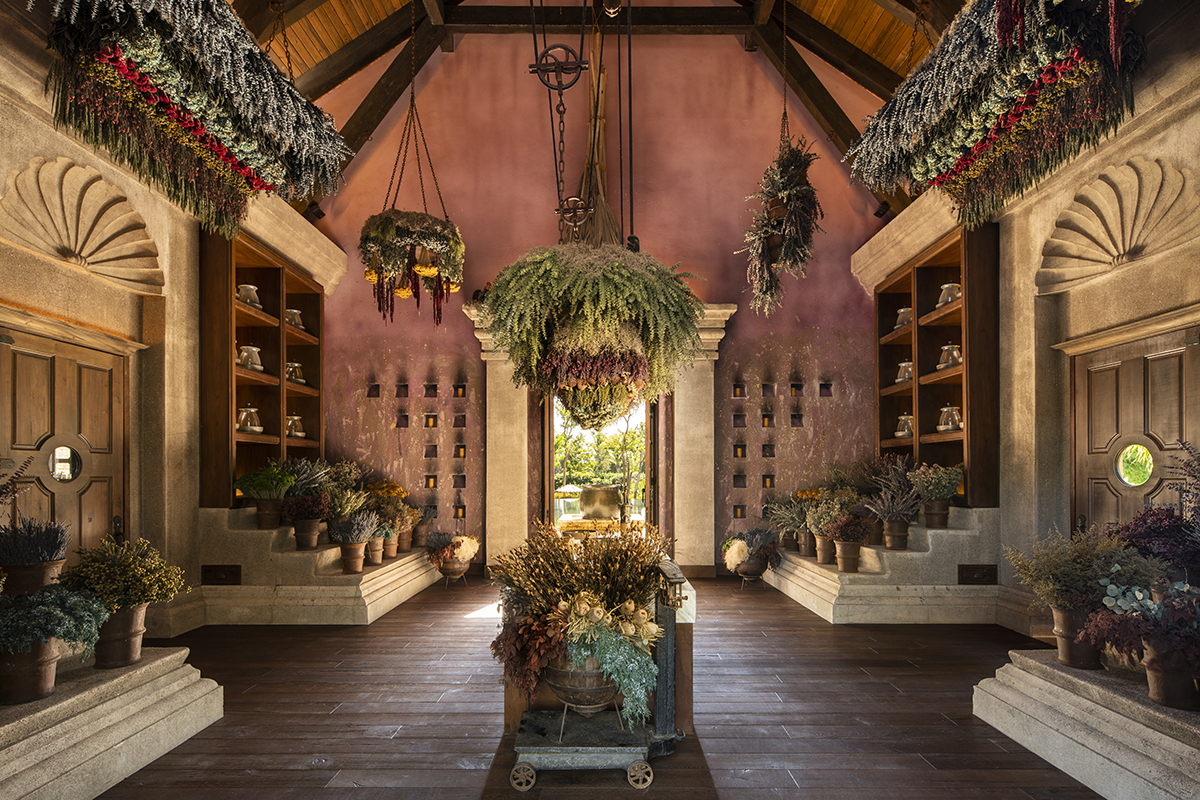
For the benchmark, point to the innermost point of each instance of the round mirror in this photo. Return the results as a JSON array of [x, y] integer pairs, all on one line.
[[65, 464], [1134, 465]]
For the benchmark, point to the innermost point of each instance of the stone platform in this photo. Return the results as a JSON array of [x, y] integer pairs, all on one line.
[[1099, 728], [101, 726]]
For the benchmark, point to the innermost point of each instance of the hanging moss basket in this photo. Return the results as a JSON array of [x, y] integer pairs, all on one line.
[[403, 249], [598, 327]]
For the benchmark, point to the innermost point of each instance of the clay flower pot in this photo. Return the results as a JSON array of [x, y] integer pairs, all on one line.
[[1169, 679], [307, 531], [825, 550], [791, 544], [390, 547], [268, 509], [404, 541], [847, 555], [352, 558], [120, 641], [1067, 624], [876, 537], [895, 534], [28, 578], [937, 513], [807, 544], [419, 534], [373, 556], [25, 677]]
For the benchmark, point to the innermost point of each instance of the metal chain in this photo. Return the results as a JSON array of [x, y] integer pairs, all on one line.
[[561, 166], [922, 10], [785, 132], [279, 28]]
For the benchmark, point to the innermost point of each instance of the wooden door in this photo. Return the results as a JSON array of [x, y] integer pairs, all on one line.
[[1143, 393], [64, 405]]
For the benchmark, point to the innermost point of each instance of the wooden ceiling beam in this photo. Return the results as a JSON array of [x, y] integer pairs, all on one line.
[[391, 86], [816, 98], [762, 10], [938, 17], [436, 11], [842, 55], [562, 20], [356, 54], [260, 19]]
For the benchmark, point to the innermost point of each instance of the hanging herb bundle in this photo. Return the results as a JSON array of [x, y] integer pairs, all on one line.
[[781, 238], [182, 95], [1011, 91], [388, 246], [599, 327]]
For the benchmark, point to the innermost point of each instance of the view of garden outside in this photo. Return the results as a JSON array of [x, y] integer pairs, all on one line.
[[1135, 465], [599, 457]]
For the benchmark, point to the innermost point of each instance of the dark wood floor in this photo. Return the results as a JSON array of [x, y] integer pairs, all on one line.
[[787, 706]]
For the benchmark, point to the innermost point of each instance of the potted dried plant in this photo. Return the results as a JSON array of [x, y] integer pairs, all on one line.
[[1161, 532], [305, 512], [936, 485], [31, 626], [32, 552], [127, 578], [751, 553], [789, 518], [848, 533], [450, 554], [1065, 572], [896, 501], [268, 486], [352, 534], [823, 511]]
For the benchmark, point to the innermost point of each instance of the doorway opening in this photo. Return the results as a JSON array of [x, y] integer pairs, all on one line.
[[612, 456]]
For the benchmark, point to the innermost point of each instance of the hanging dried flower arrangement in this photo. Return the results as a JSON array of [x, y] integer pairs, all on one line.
[[781, 238], [399, 247], [1012, 91], [182, 95]]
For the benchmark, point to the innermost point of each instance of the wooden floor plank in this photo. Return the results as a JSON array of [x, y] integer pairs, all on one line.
[[786, 706]]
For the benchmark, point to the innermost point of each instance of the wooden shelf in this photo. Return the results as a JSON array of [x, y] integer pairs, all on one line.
[[247, 316], [907, 441], [297, 336], [292, 441], [255, 438], [948, 436], [302, 389], [247, 376], [948, 315], [901, 335], [948, 375], [905, 388]]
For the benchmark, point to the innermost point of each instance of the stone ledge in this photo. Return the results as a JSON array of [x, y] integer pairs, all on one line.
[[100, 726], [1101, 730]]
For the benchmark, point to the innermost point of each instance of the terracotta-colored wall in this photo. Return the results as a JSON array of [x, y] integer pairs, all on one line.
[[706, 121]]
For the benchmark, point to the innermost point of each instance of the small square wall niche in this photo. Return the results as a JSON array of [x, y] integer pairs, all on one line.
[[739, 420], [768, 451], [797, 420], [768, 390], [739, 451], [372, 390], [459, 481], [431, 451], [402, 420], [826, 389], [739, 391], [768, 481], [768, 420], [431, 481], [431, 420], [460, 390], [460, 451], [739, 512], [797, 389], [739, 481], [460, 512], [401, 390], [460, 420], [431, 390]]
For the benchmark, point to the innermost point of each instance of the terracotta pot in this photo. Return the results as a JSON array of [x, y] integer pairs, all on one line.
[[875, 537], [453, 569], [752, 568], [307, 531], [1169, 678], [28, 578], [420, 534], [404, 541], [268, 512], [790, 544], [25, 677], [352, 558], [120, 641], [895, 534], [584, 688], [373, 555], [389, 547], [1067, 624], [847, 555], [825, 550], [937, 513], [807, 544]]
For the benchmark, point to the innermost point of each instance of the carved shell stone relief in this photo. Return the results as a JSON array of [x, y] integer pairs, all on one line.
[[1129, 212], [70, 213]]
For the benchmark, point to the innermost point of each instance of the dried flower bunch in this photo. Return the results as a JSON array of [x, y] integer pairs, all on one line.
[[849, 528], [388, 246], [26, 540], [828, 506], [1131, 616], [182, 94], [272, 481], [781, 238], [789, 516], [758, 541], [895, 497], [1065, 571], [357, 528], [306, 506], [1160, 532], [599, 327], [443, 547], [307, 476], [50, 612], [935, 482], [124, 575], [387, 500], [1011, 91]]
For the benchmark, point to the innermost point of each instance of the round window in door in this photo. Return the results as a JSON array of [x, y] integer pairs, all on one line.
[[1134, 465], [65, 464]]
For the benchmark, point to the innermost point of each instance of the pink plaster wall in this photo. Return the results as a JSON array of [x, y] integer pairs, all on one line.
[[706, 120]]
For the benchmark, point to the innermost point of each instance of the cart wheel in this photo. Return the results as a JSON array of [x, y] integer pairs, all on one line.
[[523, 777], [640, 775]]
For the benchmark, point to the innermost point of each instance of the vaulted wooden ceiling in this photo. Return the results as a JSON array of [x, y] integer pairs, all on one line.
[[873, 42]]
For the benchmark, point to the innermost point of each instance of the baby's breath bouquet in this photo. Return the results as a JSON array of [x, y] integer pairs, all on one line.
[[124, 575], [443, 547]]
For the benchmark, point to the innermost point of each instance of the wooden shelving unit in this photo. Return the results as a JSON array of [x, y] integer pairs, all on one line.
[[969, 258], [226, 323]]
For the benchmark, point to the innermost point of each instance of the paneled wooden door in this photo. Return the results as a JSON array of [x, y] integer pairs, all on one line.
[[1143, 393], [65, 405]]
